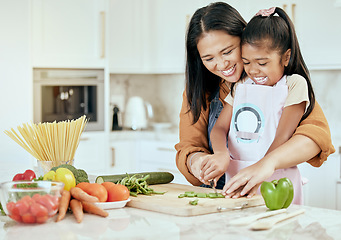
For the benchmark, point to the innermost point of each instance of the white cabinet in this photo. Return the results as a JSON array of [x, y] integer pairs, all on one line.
[[69, 33], [123, 155], [148, 36], [92, 152], [159, 156], [321, 189]]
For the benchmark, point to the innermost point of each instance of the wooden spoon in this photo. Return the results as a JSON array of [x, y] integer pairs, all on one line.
[[250, 219], [265, 224]]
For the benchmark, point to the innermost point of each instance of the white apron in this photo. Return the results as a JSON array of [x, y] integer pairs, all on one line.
[[256, 113]]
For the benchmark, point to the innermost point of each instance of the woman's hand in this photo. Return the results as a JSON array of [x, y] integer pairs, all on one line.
[[249, 179], [213, 167], [194, 163]]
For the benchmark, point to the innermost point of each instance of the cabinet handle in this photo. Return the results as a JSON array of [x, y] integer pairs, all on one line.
[[103, 34], [165, 149], [113, 157], [84, 139], [293, 8]]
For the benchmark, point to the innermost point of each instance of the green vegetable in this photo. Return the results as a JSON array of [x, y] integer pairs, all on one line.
[[201, 195], [194, 202], [2, 210], [79, 174], [278, 193], [154, 177], [137, 185]]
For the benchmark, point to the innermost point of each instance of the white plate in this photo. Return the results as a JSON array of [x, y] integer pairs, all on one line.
[[112, 205]]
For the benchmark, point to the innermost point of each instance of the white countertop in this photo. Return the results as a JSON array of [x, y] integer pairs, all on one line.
[[130, 223]]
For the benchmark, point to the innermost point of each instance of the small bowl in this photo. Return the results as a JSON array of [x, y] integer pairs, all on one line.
[[31, 202]]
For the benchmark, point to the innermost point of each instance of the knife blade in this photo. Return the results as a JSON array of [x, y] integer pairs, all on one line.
[[212, 186]]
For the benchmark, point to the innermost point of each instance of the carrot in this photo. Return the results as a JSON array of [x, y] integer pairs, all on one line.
[[77, 209], [63, 205], [81, 195], [92, 208]]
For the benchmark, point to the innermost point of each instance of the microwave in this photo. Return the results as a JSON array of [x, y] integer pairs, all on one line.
[[66, 94]]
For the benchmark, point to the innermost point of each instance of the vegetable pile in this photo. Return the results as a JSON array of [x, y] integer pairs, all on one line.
[[138, 185]]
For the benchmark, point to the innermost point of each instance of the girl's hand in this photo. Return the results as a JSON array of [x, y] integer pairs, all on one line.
[[213, 167], [249, 179]]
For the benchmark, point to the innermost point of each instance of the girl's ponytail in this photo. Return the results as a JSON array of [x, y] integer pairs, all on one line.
[[296, 63]]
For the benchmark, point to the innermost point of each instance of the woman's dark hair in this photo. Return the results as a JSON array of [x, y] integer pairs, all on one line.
[[201, 83], [278, 33]]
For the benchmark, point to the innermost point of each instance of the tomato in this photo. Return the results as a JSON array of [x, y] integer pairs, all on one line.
[[82, 185], [118, 193], [108, 185], [28, 218], [42, 219], [15, 217], [23, 206], [29, 175], [18, 177], [38, 210], [97, 190], [47, 202]]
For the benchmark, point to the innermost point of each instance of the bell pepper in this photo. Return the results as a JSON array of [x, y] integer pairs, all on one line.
[[62, 175], [278, 193], [28, 175]]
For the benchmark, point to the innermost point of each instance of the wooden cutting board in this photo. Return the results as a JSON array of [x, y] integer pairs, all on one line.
[[169, 202]]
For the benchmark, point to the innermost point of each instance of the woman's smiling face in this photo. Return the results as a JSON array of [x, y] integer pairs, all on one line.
[[221, 54]]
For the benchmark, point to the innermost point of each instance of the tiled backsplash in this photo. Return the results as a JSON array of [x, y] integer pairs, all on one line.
[[164, 92]]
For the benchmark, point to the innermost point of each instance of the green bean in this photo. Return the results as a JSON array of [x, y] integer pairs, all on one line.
[[194, 202]]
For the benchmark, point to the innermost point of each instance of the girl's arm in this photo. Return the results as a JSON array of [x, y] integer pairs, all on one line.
[[296, 150], [287, 125], [215, 166]]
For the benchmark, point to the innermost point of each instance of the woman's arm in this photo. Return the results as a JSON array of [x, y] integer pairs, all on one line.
[[193, 139]]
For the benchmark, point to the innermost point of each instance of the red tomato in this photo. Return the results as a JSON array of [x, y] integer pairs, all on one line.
[[38, 210], [83, 185], [15, 217], [29, 175], [97, 190], [18, 177], [118, 193], [10, 208], [42, 219], [23, 206], [28, 218], [47, 202]]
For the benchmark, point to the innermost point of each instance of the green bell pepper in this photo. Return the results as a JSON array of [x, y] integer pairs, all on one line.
[[278, 193]]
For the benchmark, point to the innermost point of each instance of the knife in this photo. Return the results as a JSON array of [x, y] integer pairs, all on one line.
[[212, 186]]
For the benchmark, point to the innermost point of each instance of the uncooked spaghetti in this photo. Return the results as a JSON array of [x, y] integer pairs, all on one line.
[[56, 141]]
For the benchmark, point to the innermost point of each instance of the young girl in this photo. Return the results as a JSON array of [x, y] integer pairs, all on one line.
[[264, 109]]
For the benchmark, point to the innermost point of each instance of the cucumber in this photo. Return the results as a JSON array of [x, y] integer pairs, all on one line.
[[155, 177]]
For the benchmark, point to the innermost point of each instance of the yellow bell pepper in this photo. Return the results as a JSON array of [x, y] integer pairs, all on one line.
[[62, 175]]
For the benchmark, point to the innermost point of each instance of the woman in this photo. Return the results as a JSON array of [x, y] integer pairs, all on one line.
[[213, 63]]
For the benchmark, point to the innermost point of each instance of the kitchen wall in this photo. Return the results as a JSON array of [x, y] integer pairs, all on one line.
[[327, 85], [162, 91]]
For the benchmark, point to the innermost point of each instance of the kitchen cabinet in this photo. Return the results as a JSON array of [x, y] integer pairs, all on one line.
[[315, 26], [16, 82], [69, 34], [123, 155], [92, 152], [148, 36], [321, 188], [159, 156]]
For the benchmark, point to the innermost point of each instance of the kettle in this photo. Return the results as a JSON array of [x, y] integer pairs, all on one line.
[[137, 114]]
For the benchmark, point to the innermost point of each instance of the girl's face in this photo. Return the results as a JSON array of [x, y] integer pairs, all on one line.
[[264, 66], [221, 54]]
